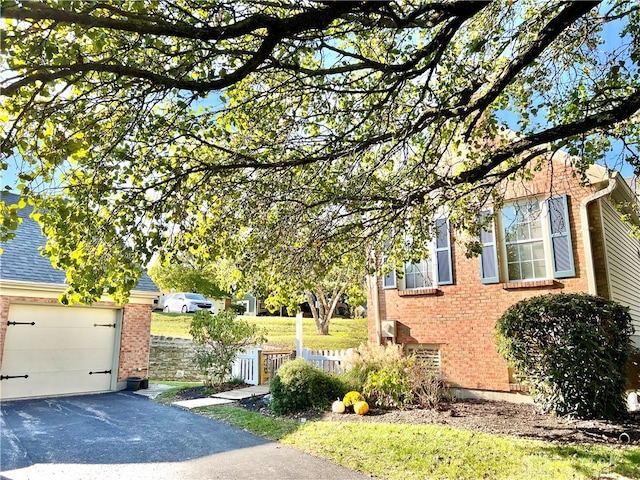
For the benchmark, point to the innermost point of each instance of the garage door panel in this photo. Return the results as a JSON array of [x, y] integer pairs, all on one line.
[[26, 337], [59, 351], [55, 360], [54, 383]]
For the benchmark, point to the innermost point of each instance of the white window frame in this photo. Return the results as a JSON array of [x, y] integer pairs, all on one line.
[[428, 263], [546, 239]]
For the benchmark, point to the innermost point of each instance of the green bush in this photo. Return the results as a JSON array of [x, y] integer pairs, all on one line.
[[572, 349], [239, 308], [219, 338], [390, 387], [299, 386]]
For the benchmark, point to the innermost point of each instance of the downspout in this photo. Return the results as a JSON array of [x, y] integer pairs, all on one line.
[[373, 284], [586, 234]]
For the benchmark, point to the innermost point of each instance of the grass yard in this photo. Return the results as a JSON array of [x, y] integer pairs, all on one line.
[[400, 451], [281, 331]]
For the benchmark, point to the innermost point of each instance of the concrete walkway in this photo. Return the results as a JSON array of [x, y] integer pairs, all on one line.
[[231, 396]]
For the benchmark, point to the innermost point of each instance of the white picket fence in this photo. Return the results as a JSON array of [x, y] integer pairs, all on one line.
[[329, 361], [247, 365]]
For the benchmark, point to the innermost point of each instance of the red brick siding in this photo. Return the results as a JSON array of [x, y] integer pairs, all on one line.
[[134, 341], [461, 317]]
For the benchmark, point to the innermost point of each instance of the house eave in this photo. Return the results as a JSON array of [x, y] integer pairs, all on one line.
[[59, 288]]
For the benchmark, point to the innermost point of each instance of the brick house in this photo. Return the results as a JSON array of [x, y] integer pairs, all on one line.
[[50, 349], [553, 235]]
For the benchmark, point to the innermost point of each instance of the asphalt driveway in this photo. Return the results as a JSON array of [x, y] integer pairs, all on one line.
[[122, 435]]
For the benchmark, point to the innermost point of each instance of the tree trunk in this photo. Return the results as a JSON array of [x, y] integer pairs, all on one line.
[[322, 315]]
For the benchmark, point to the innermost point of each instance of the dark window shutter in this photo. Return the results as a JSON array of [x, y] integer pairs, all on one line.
[[489, 257], [561, 246], [443, 252]]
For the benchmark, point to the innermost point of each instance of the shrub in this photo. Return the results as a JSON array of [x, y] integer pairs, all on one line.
[[572, 350], [219, 338], [390, 387], [299, 386], [426, 385], [366, 358], [239, 308]]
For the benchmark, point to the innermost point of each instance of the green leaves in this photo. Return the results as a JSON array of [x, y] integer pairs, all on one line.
[[573, 351], [294, 136]]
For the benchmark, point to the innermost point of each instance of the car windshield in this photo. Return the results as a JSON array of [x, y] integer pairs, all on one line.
[[194, 296]]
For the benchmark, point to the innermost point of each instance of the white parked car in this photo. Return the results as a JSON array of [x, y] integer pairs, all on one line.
[[187, 303]]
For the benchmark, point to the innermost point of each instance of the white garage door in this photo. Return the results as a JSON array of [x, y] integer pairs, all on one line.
[[54, 350]]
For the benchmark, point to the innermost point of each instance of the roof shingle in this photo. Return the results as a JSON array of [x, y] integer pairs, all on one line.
[[21, 259]]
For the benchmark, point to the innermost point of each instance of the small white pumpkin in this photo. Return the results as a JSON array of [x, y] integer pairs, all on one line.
[[338, 406]]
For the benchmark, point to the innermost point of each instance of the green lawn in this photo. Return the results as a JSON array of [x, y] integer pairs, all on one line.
[[281, 331], [400, 451]]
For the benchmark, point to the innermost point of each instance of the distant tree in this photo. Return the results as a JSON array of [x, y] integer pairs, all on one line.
[[186, 277], [325, 125]]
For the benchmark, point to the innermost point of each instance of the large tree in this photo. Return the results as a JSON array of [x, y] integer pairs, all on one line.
[[183, 125]]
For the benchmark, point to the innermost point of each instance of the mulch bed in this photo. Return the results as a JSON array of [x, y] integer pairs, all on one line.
[[500, 418]]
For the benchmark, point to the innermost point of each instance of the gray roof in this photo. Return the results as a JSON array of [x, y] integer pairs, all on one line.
[[21, 259]]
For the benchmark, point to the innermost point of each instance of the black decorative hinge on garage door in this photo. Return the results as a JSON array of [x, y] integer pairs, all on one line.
[[110, 325], [9, 377], [102, 372], [21, 323]]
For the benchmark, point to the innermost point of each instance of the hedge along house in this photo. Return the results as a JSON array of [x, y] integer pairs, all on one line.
[[552, 235], [49, 349]]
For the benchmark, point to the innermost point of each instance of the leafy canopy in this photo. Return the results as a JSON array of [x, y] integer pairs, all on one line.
[[225, 127]]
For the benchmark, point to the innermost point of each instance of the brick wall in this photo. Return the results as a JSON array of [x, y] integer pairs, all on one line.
[[171, 359], [460, 318], [135, 340]]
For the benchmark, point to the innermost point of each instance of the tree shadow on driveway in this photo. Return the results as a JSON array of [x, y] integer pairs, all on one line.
[[108, 429]]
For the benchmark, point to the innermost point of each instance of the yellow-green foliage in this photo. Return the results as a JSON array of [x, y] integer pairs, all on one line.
[[369, 358], [351, 398]]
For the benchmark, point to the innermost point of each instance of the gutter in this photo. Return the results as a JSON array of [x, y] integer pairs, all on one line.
[[586, 235], [58, 288], [373, 285]]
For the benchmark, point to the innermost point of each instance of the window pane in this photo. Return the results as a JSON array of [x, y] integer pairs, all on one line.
[[514, 271], [522, 232], [486, 236], [524, 251], [527, 270], [539, 269], [512, 253], [538, 250]]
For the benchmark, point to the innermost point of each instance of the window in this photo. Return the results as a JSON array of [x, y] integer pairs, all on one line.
[[428, 273], [524, 241], [418, 275], [437, 269], [536, 241]]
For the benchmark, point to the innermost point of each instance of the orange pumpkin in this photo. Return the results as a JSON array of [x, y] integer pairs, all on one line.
[[361, 408]]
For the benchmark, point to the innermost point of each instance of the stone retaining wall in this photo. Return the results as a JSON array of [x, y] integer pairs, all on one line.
[[170, 358]]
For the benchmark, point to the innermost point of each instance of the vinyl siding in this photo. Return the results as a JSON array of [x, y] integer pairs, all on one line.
[[623, 264]]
